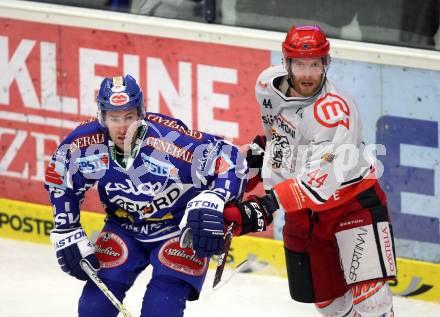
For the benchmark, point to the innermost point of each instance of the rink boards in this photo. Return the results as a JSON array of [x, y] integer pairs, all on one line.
[[33, 222]]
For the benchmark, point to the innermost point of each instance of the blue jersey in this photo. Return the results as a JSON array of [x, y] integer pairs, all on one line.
[[146, 191]]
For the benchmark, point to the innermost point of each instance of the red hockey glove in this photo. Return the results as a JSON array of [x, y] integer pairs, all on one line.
[[252, 215]]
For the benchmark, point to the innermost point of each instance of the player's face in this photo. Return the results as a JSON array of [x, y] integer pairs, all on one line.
[[118, 123], [307, 75]]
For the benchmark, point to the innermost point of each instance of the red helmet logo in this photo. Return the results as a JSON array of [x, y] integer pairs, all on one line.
[[305, 42], [119, 99]]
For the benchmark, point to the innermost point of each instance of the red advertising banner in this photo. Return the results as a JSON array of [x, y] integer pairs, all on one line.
[[49, 75]]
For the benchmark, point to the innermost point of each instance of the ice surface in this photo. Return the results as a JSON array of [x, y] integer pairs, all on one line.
[[31, 284]]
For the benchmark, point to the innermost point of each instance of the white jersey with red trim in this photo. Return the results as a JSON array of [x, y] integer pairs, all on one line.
[[317, 140]]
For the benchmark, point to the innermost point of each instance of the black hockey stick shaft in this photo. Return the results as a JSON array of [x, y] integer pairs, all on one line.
[[223, 256]]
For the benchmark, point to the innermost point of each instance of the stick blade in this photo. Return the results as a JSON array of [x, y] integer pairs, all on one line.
[[238, 269]]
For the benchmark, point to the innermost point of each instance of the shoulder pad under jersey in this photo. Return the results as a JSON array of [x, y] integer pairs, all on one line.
[[265, 80], [266, 92], [86, 133]]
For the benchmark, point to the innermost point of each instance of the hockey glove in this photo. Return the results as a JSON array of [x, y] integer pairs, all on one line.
[[203, 225], [254, 159], [71, 246], [251, 215]]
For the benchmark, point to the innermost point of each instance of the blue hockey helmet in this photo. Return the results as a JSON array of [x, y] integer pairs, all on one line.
[[119, 93]]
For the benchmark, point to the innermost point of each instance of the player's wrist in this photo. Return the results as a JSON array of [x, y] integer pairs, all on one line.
[[252, 215]]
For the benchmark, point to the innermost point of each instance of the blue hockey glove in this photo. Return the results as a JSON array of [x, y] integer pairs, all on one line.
[[71, 246], [203, 225]]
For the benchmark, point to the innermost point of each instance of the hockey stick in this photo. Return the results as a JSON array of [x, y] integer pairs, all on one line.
[[222, 257], [101, 285], [241, 267], [249, 265]]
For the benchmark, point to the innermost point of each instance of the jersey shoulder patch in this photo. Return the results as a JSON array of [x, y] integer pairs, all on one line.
[[84, 135], [160, 120], [332, 110]]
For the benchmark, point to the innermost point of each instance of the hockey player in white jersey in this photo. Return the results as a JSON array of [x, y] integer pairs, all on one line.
[[337, 235]]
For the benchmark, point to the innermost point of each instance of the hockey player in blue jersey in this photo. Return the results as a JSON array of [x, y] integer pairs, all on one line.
[[151, 172]]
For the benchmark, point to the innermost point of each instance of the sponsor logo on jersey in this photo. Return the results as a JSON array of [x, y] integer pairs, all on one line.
[[93, 163], [119, 99], [280, 122], [180, 259], [56, 170], [268, 119], [144, 188], [153, 228], [111, 250], [127, 203], [331, 111], [86, 140], [222, 164], [163, 200], [65, 217], [329, 157], [279, 148], [285, 125], [160, 168], [175, 126], [88, 121], [208, 155], [55, 173], [170, 148], [52, 176]]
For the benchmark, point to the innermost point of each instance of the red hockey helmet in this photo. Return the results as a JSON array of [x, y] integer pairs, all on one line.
[[306, 41]]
